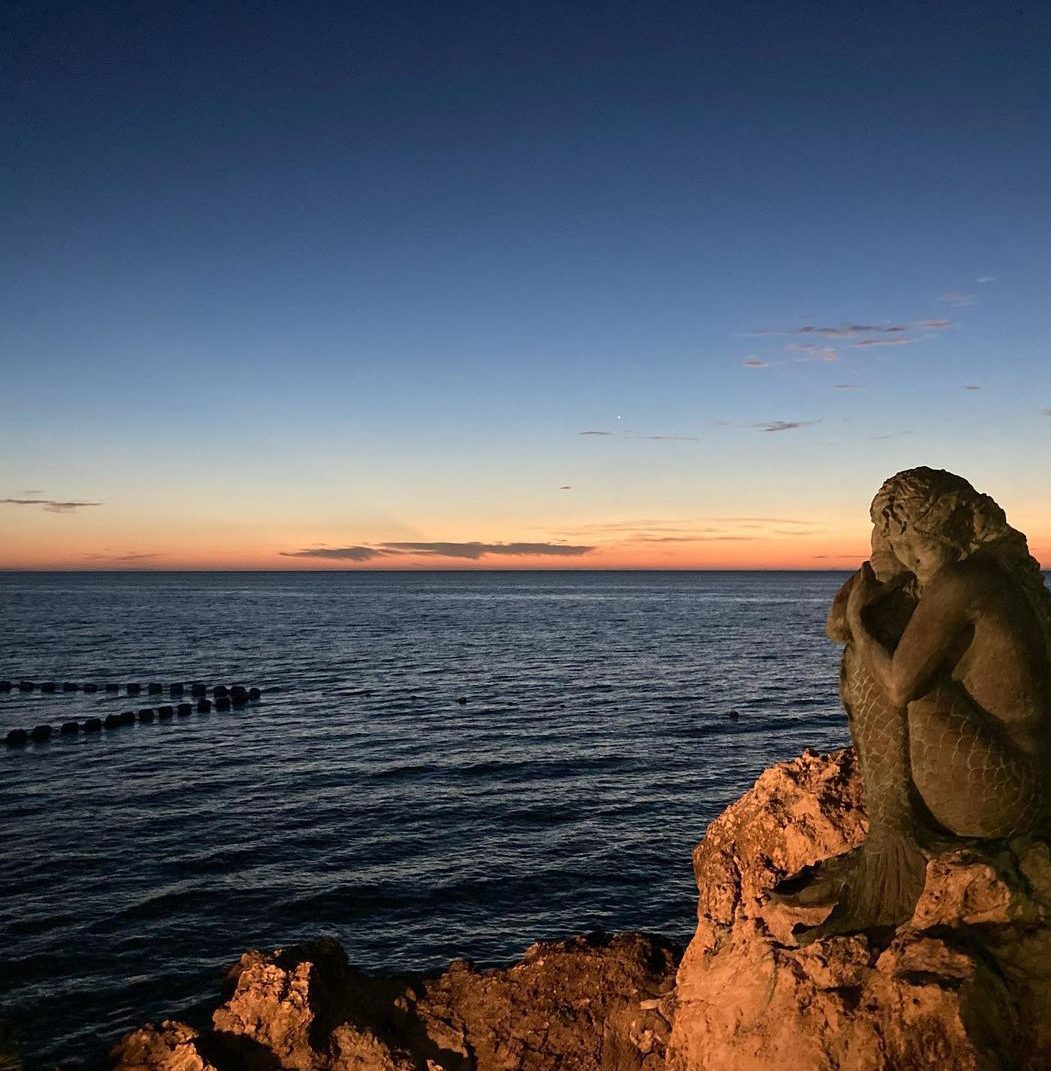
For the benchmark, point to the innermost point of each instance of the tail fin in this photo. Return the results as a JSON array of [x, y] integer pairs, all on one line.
[[879, 894]]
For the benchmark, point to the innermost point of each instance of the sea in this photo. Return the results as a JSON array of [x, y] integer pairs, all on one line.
[[442, 765]]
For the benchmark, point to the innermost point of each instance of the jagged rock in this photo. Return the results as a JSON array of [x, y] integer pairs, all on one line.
[[595, 1003], [171, 1045], [585, 1003], [964, 984]]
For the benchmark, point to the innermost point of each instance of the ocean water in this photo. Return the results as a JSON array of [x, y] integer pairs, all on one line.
[[359, 798]]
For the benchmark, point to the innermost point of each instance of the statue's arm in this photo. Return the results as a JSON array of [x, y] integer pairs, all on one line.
[[837, 626], [928, 640]]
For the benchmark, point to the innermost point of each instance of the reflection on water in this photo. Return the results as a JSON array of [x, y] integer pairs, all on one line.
[[360, 799]]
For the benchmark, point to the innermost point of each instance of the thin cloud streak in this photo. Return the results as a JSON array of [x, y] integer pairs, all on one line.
[[669, 438], [886, 342], [650, 438], [784, 425], [130, 556], [474, 551], [653, 530], [698, 539], [763, 520], [348, 554], [849, 330], [49, 504]]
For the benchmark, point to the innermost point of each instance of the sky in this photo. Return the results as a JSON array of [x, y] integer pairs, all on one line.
[[490, 286]]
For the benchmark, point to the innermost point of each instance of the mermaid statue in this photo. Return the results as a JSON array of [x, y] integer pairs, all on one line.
[[946, 680]]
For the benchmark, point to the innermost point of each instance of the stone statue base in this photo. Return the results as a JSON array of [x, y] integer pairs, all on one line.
[[965, 983]]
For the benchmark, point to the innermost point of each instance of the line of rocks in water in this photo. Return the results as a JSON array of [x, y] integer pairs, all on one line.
[[196, 688], [223, 699]]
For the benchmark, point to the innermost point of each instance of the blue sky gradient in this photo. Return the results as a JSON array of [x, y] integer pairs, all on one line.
[[361, 272]]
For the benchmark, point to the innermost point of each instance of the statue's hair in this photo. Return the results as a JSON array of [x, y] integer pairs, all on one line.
[[946, 508]]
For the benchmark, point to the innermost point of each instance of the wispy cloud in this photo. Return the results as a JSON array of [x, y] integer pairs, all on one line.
[[697, 539], [347, 554], [474, 551], [669, 438], [814, 352], [956, 298], [651, 438], [848, 386], [986, 279], [852, 330], [765, 520], [128, 556], [886, 341], [654, 528], [49, 504], [784, 425]]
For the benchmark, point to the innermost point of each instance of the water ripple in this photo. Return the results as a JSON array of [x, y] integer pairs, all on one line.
[[360, 798]]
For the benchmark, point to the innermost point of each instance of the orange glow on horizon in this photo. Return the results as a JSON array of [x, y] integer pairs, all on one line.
[[91, 542]]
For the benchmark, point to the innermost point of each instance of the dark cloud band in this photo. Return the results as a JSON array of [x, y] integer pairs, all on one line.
[[472, 551], [51, 505]]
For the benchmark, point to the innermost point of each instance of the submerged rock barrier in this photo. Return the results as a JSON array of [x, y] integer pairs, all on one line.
[[227, 697]]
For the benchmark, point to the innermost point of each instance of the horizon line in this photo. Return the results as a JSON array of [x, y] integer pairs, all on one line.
[[447, 569]]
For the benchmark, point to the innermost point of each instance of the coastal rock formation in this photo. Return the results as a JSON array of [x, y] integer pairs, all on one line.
[[594, 1003], [964, 983]]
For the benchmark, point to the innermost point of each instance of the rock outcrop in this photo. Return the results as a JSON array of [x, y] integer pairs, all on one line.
[[594, 1003], [964, 984]]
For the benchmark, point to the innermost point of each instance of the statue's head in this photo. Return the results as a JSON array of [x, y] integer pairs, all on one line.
[[925, 518], [929, 517]]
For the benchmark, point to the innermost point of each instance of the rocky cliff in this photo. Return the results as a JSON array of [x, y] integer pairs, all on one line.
[[964, 985]]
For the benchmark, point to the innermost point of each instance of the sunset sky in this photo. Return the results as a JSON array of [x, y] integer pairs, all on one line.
[[515, 286]]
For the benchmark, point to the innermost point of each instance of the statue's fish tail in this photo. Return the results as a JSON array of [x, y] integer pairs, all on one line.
[[881, 739]]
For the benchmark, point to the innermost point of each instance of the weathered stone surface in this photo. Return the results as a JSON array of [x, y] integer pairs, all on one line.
[[585, 1003], [946, 675], [171, 1045], [964, 984], [593, 1003]]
